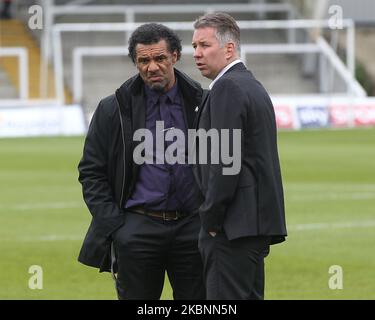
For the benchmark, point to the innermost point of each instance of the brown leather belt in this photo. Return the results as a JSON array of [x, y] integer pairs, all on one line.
[[165, 215]]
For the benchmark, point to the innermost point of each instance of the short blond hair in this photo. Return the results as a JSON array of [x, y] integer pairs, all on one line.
[[225, 25]]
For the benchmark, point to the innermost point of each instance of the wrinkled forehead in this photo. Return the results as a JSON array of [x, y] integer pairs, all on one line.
[[152, 50]]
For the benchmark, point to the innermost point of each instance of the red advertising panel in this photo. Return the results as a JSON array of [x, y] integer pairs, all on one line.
[[339, 116], [284, 117], [364, 115]]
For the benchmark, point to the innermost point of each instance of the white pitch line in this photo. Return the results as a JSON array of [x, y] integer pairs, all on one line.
[[295, 227], [330, 196], [45, 238], [356, 187], [47, 205], [338, 225]]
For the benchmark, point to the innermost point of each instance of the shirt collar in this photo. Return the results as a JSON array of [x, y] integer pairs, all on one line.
[[223, 71]]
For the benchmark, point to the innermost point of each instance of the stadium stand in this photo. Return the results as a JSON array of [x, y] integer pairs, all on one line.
[[14, 33], [101, 75], [270, 69]]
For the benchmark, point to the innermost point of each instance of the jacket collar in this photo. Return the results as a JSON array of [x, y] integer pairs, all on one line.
[[237, 67], [225, 69], [133, 91]]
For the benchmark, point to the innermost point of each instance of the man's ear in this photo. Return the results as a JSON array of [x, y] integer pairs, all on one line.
[[174, 57], [231, 50]]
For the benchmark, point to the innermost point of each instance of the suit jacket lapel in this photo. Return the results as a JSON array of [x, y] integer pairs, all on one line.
[[206, 94]]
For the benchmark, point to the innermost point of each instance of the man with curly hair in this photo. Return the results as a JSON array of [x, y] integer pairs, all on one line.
[[145, 220]]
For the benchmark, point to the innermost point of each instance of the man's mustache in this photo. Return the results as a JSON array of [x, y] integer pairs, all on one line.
[[154, 75]]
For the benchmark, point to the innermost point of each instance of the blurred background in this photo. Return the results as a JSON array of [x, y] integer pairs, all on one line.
[[58, 58]]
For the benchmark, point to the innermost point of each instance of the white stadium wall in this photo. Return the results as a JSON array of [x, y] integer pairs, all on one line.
[[19, 120]]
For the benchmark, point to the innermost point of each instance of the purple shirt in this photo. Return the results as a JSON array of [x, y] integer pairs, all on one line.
[[163, 186]]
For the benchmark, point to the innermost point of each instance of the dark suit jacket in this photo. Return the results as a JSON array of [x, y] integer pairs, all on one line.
[[250, 203]]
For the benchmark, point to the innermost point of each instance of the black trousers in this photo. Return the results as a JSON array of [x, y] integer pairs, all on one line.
[[147, 247], [233, 269]]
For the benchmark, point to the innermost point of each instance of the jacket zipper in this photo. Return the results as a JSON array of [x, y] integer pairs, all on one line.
[[123, 141]]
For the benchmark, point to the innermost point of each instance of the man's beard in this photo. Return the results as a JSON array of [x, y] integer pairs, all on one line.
[[158, 86]]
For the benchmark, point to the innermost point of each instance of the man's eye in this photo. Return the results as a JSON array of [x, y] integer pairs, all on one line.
[[160, 59], [143, 61]]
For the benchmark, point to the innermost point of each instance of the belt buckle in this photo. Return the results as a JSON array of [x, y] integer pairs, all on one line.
[[177, 217], [165, 218]]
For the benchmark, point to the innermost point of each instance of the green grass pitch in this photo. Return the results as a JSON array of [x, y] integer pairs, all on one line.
[[329, 182]]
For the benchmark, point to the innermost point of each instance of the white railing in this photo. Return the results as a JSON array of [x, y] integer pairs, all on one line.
[[23, 71], [171, 8], [354, 87], [58, 29], [51, 11], [16, 103], [130, 12], [78, 54]]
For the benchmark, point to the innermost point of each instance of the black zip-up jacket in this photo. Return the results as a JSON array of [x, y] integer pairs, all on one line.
[[107, 171]]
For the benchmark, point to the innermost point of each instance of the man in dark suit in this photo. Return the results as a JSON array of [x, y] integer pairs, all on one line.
[[145, 214], [243, 211]]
